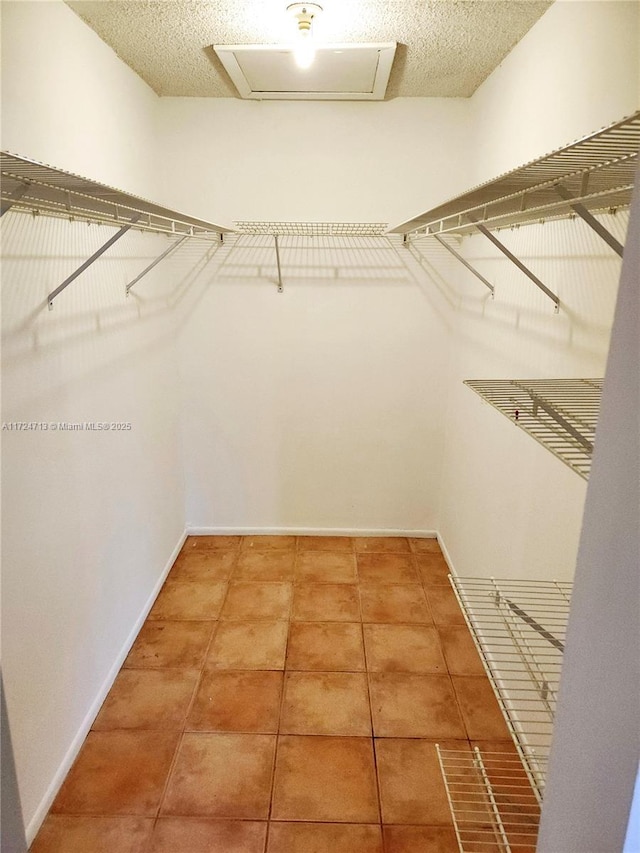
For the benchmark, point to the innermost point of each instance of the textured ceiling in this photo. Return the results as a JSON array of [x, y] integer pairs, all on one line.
[[446, 48]]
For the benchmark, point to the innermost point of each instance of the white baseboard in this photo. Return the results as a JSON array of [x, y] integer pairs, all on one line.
[[309, 531], [447, 556], [71, 754]]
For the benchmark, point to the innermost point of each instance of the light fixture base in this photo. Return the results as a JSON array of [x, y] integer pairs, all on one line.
[[304, 13]]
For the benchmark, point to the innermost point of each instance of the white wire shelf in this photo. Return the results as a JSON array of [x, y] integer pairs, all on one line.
[[519, 629], [35, 188], [561, 414], [313, 229], [493, 807], [596, 172]]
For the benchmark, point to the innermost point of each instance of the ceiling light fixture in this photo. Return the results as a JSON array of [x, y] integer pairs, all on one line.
[[304, 50]]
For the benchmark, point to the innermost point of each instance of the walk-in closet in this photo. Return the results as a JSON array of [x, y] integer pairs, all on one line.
[[320, 417]]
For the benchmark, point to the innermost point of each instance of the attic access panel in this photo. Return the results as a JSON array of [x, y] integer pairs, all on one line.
[[348, 72]]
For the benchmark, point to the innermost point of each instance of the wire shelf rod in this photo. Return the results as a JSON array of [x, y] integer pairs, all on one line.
[[518, 628], [551, 207], [312, 229], [597, 168], [492, 803], [55, 192], [560, 414]]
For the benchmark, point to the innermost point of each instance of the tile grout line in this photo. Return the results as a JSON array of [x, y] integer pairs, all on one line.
[[373, 739], [448, 672], [282, 695], [193, 698], [368, 680], [297, 551], [210, 643]]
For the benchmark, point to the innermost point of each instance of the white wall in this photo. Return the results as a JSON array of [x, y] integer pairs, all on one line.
[[594, 758], [509, 508], [90, 519], [69, 102], [320, 407], [576, 70], [228, 159]]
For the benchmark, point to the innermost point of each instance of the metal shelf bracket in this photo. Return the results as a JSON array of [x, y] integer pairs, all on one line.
[[161, 257], [591, 221], [280, 288], [463, 261], [554, 297], [91, 260]]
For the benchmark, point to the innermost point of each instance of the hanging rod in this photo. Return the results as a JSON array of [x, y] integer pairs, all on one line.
[[598, 171], [32, 187]]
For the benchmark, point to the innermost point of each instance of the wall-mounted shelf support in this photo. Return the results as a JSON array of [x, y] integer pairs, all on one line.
[[38, 189], [519, 628], [591, 221], [561, 414], [161, 257], [90, 261], [534, 278], [16, 195], [539, 403], [464, 262], [280, 288]]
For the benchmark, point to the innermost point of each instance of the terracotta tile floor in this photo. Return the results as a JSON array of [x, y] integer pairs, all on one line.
[[285, 695]]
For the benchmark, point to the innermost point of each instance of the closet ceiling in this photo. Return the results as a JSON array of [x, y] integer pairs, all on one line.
[[446, 48]]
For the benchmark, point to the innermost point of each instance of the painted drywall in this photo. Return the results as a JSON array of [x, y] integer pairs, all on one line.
[[594, 758], [576, 70], [509, 508], [320, 406], [228, 159], [90, 518], [69, 102]]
